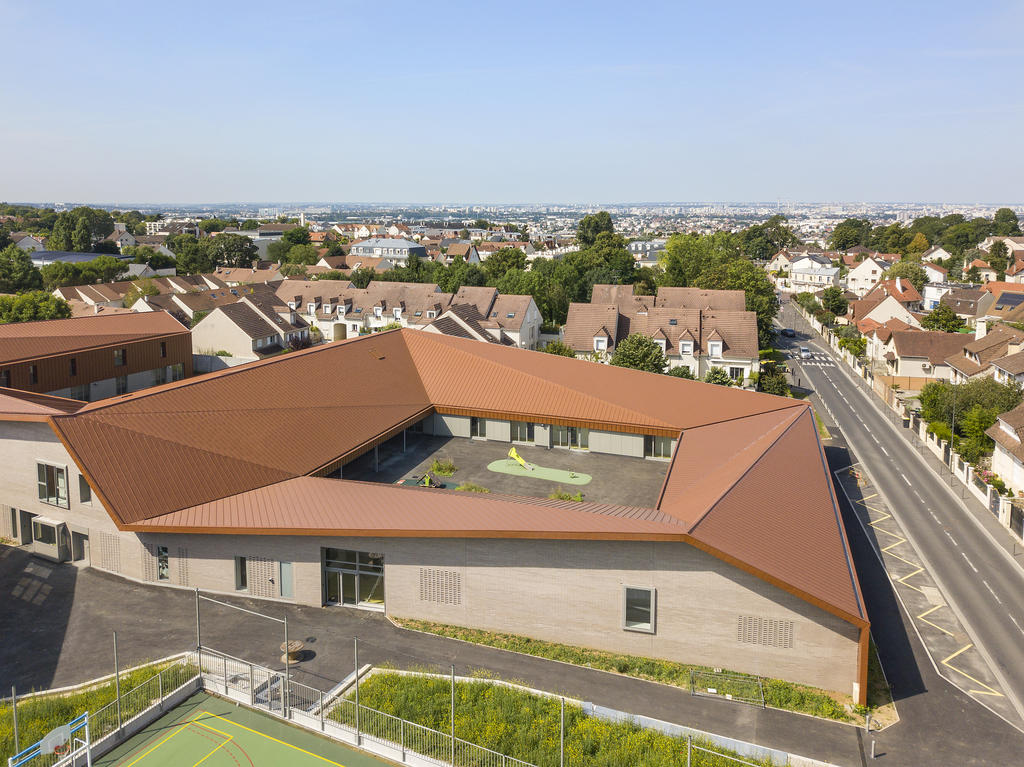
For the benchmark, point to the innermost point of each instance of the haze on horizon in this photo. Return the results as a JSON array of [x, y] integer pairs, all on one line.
[[530, 102]]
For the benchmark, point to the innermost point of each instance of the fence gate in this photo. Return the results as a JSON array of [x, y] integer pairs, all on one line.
[[1017, 519], [993, 501], [268, 690]]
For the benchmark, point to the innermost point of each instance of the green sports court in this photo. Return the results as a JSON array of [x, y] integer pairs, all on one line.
[[213, 732]]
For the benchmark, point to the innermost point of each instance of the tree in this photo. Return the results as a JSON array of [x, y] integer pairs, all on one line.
[[139, 289], [330, 274], [362, 277], [106, 246], [190, 258], [973, 425], [295, 269], [943, 318], [918, 245], [500, 261], [832, 298], [762, 241], [639, 353], [297, 236], [102, 269], [33, 305], [216, 224], [773, 382], [17, 272], [249, 225], [278, 251], [998, 255], [303, 254], [559, 348], [850, 233], [681, 371], [910, 270], [960, 237], [855, 346], [718, 376], [233, 250], [59, 274], [941, 400], [81, 239], [60, 235], [591, 226], [1005, 223]]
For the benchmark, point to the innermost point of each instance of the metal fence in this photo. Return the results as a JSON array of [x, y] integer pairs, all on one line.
[[739, 687]]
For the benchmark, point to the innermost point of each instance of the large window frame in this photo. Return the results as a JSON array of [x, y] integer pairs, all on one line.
[[657, 447], [52, 484], [633, 614], [477, 427], [359, 576], [523, 432], [163, 564], [241, 574]]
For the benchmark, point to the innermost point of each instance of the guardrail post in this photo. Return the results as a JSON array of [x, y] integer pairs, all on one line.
[[402, 727], [117, 682], [14, 708], [160, 685], [225, 659], [689, 741], [252, 688], [355, 652], [321, 710]]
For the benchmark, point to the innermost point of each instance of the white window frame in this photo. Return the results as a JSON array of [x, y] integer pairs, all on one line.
[[715, 348], [600, 344], [649, 628], [67, 489], [685, 347]]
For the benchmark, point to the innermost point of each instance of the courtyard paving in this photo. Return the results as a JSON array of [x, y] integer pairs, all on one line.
[[616, 479]]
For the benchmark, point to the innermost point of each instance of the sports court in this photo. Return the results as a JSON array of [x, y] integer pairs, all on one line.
[[210, 731]]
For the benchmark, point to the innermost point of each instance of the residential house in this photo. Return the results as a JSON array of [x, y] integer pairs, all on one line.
[[934, 272], [232, 276], [26, 241], [122, 238], [467, 251], [350, 262], [93, 357], [396, 250], [935, 253], [810, 272], [934, 292], [985, 272], [1015, 271], [250, 328], [979, 353], [900, 289], [189, 308], [964, 301], [1000, 301], [1014, 245], [863, 276], [877, 335], [1008, 454], [879, 309], [922, 353]]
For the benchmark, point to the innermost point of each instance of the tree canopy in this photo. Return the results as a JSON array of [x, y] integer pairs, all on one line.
[[17, 272], [33, 305], [910, 270], [591, 226], [718, 376], [832, 298], [640, 353], [943, 318], [559, 348]]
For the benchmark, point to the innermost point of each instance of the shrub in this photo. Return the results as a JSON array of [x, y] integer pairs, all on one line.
[[470, 487], [561, 495], [443, 466]]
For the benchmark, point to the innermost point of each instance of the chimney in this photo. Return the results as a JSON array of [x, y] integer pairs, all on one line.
[[980, 329], [899, 284], [95, 308]]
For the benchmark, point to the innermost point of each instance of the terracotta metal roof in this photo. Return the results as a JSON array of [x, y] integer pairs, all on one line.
[[18, 405], [28, 340], [748, 481]]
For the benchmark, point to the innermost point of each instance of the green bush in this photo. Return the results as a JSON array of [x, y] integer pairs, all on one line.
[[443, 466], [561, 495], [470, 487]]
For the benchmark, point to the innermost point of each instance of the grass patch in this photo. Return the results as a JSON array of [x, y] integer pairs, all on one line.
[[822, 430], [799, 393], [470, 487], [515, 723], [443, 466], [777, 693], [561, 495], [772, 354], [38, 715]]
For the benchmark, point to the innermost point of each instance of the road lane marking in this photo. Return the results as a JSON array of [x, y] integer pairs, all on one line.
[[1016, 624], [905, 479], [990, 591], [934, 517], [969, 562], [887, 453], [987, 691], [929, 611], [951, 537]]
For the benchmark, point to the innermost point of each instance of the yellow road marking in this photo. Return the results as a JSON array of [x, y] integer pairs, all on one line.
[[268, 737], [903, 580], [987, 691], [929, 611]]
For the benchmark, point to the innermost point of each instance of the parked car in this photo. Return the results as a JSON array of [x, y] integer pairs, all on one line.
[[805, 353], [789, 332]]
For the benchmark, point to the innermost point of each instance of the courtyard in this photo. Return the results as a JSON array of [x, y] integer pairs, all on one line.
[[614, 479]]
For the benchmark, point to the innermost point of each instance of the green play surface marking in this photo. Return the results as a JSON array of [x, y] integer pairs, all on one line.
[[216, 733], [508, 466]]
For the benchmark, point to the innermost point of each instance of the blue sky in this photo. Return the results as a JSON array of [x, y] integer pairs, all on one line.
[[517, 102]]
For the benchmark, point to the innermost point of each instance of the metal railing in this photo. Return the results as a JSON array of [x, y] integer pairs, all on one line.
[[739, 687]]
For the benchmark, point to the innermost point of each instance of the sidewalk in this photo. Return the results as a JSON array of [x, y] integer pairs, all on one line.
[[998, 534]]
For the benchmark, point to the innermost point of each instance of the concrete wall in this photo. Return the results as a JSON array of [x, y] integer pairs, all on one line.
[[451, 425], [617, 443], [499, 431]]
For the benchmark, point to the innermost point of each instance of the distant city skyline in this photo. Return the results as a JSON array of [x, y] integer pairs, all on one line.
[[559, 104]]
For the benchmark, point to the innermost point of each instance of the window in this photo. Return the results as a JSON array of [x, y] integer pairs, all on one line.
[[398, 313], [638, 609], [286, 581], [241, 576], [570, 436], [120, 357], [657, 447], [84, 491], [44, 533], [33, 374], [80, 392], [478, 427], [600, 344], [715, 348], [163, 348], [522, 431], [177, 371], [159, 376], [53, 484], [163, 567], [685, 347], [661, 344], [5, 378], [73, 366], [121, 383], [378, 312], [311, 308], [736, 374]]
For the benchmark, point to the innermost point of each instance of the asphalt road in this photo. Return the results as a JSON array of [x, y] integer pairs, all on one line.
[[976, 577]]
